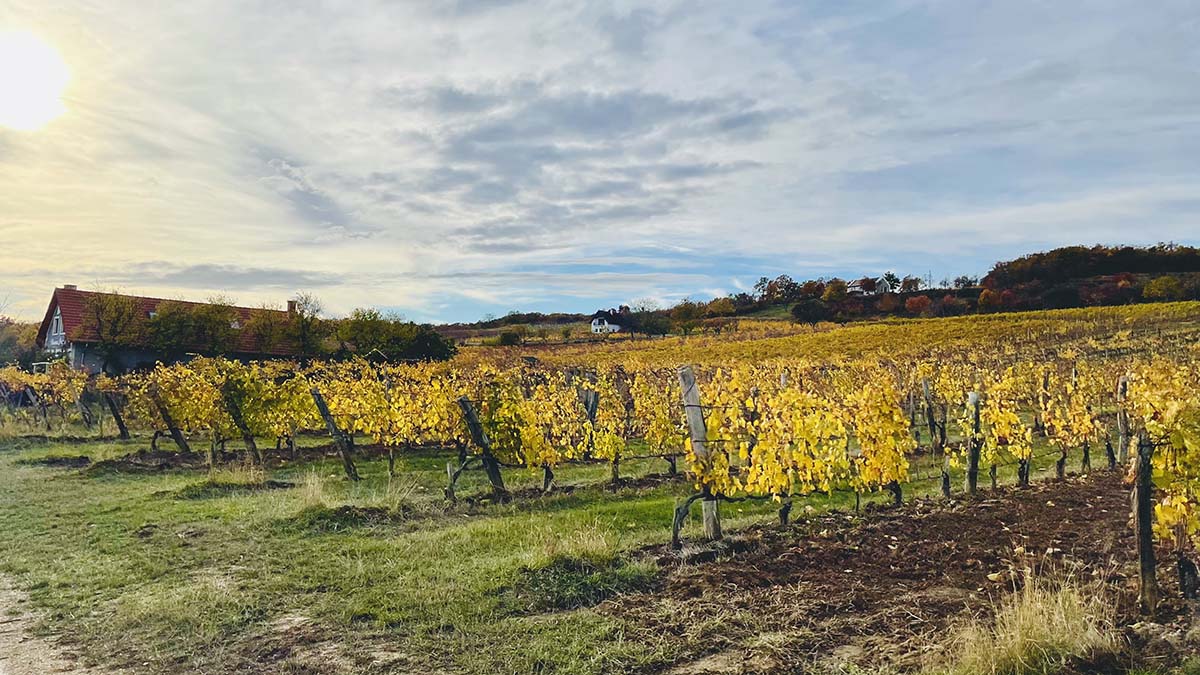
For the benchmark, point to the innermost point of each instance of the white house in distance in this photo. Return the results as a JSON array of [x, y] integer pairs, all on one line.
[[606, 321]]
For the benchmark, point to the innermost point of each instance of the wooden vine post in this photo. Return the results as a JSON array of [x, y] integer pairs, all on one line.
[[974, 446], [176, 434], [479, 436], [698, 434], [1143, 526], [590, 400], [340, 439]]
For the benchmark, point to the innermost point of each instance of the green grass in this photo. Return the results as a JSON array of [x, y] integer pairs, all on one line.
[[182, 571]]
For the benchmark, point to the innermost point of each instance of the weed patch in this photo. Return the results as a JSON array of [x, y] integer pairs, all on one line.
[[324, 519], [571, 582], [213, 488]]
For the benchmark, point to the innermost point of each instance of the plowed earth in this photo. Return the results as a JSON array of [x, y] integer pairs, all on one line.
[[886, 587]]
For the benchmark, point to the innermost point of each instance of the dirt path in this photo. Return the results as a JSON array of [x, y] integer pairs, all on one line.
[[23, 653]]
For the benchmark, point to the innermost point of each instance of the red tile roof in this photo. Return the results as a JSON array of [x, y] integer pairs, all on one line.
[[73, 305]]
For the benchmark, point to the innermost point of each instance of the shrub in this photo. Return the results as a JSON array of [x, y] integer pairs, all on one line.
[[1163, 288], [989, 300], [918, 304], [810, 310]]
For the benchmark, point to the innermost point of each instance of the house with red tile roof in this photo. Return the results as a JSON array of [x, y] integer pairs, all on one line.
[[67, 331]]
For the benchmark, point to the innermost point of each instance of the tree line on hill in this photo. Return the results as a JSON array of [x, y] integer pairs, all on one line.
[[1075, 276]]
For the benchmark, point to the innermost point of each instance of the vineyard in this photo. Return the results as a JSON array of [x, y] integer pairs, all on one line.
[[754, 427]]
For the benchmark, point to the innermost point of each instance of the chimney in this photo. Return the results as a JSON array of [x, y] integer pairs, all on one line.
[[291, 306], [70, 287]]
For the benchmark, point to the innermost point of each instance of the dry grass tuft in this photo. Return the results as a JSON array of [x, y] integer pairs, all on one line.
[[1036, 630], [312, 490], [247, 473], [597, 542]]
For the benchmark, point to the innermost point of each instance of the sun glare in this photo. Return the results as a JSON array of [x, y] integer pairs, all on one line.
[[32, 79]]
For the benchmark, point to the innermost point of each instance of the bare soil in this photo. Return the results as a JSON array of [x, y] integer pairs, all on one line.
[[885, 588], [24, 653]]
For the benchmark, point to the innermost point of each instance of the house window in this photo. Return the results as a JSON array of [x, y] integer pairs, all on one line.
[[235, 324], [56, 325], [152, 314]]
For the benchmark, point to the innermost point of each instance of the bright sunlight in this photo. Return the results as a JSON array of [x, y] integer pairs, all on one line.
[[32, 79]]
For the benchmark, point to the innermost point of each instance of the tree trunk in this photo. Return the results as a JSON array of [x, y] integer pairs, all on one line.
[[1023, 472], [1060, 467], [1086, 465]]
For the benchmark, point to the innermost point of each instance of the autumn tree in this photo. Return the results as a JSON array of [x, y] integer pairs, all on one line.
[[215, 326], [810, 310], [989, 300], [169, 329], [888, 303], [835, 291], [918, 305], [115, 322], [18, 342], [1163, 288], [267, 328], [305, 327], [685, 316], [368, 333], [720, 307]]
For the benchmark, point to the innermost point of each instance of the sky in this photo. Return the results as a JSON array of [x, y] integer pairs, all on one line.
[[450, 159]]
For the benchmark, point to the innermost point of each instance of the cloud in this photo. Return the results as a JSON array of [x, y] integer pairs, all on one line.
[[572, 155]]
